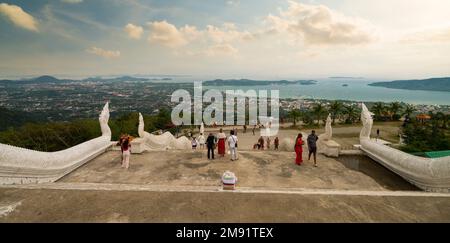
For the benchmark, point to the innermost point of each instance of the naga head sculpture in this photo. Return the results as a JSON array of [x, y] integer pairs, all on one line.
[[141, 130], [103, 119], [328, 128], [367, 121]]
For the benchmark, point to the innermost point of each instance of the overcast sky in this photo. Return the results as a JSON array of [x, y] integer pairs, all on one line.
[[383, 39]]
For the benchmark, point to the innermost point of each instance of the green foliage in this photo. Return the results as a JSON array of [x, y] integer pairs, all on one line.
[[425, 137], [351, 114], [308, 118], [14, 119], [51, 136], [56, 136], [319, 112], [295, 115], [395, 108], [336, 108]]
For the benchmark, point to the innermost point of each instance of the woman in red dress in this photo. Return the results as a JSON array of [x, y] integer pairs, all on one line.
[[221, 144], [299, 149]]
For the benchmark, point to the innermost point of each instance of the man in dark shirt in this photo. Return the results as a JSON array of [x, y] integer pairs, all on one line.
[[210, 142], [312, 146]]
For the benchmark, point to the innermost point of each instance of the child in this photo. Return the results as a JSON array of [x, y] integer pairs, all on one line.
[[194, 144]]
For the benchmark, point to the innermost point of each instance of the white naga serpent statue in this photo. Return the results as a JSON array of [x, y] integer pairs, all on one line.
[[24, 166], [427, 174], [165, 141]]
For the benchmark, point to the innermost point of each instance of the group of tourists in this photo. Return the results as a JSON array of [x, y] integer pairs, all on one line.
[[263, 144], [218, 141], [312, 147]]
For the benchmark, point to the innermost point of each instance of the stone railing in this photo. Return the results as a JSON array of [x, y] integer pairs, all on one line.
[[427, 174], [24, 166]]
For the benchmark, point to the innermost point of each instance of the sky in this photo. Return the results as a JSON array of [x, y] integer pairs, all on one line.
[[298, 39]]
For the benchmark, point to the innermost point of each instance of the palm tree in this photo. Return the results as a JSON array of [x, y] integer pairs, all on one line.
[[378, 109], [295, 115], [409, 110], [395, 108], [351, 113], [318, 111], [335, 108], [441, 119]]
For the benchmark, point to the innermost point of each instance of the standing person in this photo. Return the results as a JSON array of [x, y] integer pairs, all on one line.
[[233, 144], [378, 134], [277, 143], [261, 143], [210, 143], [245, 128], [253, 130], [126, 147], [299, 149], [202, 141], [121, 139], [221, 144], [268, 143], [312, 146], [194, 143]]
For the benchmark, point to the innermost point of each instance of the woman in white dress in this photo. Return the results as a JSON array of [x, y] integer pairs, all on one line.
[[202, 141]]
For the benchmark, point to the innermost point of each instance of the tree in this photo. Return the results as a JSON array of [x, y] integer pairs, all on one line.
[[378, 110], [307, 117], [409, 110], [335, 108], [441, 119], [425, 137], [319, 111], [351, 114], [395, 108], [295, 115]]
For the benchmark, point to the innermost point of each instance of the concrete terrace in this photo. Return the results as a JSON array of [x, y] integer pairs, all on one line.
[[183, 186]]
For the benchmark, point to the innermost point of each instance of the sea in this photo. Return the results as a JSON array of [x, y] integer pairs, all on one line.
[[338, 89], [348, 89]]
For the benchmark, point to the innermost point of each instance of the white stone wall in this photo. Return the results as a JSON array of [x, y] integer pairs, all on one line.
[[427, 174], [24, 166]]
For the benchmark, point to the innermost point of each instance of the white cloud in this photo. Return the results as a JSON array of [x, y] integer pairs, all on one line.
[[233, 2], [221, 50], [166, 34], [428, 36], [103, 53], [134, 31], [72, 1], [228, 33], [319, 25], [19, 17]]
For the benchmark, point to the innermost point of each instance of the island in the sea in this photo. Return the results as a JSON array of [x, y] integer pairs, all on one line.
[[432, 84], [249, 82], [339, 77]]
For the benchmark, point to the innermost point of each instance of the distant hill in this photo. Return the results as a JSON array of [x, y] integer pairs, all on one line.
[[45, 79], [432, 84], [118, 79], [51, 79], [249, 82]]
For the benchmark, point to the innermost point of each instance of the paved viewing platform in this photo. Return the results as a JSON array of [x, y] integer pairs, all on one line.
[[177, 186], [184, 186], [268, 169]]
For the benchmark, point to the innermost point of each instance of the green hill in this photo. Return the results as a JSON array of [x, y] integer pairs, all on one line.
[[432, 84]]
